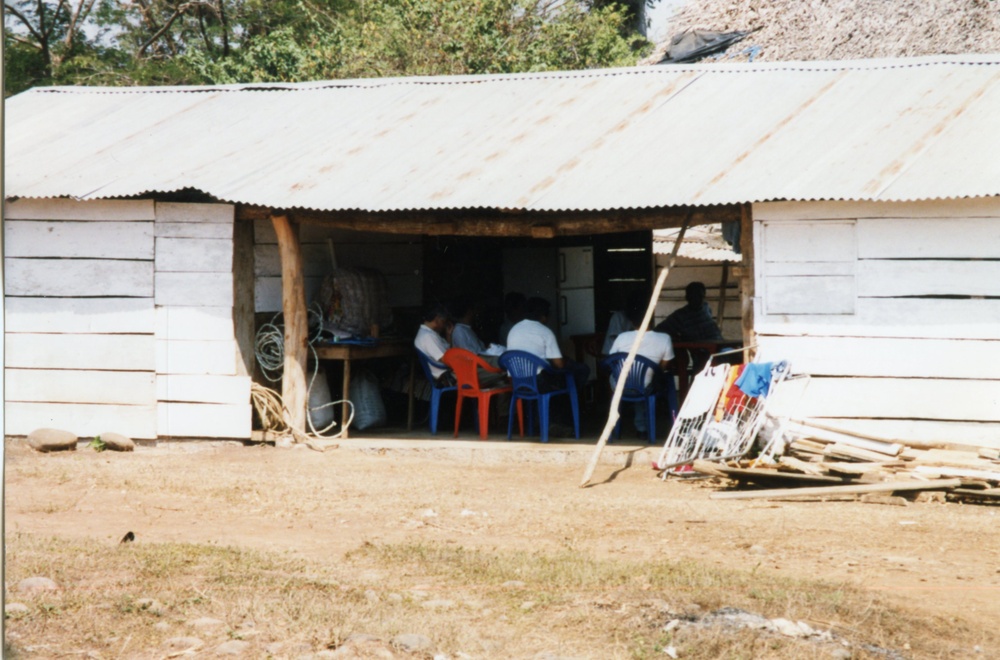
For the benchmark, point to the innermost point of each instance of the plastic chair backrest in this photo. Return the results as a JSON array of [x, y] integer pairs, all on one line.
[[465, 364], [636, 382], [426, 363], [522, 367]]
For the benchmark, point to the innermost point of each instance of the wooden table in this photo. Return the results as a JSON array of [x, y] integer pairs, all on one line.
[[682, 359], [383, 349]]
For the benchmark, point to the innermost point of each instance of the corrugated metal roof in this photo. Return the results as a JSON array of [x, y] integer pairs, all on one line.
[[702, 242], [645, 137]]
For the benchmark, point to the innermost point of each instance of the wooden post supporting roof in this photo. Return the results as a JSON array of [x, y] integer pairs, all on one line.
[[747, 278], [294, 390]]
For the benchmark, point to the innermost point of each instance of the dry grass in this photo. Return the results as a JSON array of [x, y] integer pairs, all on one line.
[[305, 549], [466, 600]]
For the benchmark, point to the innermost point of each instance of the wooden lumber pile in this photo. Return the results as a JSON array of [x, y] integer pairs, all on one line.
[[823, 462]]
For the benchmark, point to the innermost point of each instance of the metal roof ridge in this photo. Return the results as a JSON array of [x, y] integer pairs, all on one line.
[[657, 69]]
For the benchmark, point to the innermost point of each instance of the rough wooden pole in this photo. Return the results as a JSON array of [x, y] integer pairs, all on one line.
[[294, 390], [627, 365], [747, 281], [722, 293]]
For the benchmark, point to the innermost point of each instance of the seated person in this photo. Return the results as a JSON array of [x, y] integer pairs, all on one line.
[[432, 341], [654, 346], [463, 336], [533, 336], [620, 322], [694, 321], [513, 309]]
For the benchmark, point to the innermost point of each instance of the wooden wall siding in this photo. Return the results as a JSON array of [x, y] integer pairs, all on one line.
[[85, 420], [688, 270], [199, 388], [917, 356], [73, 351], [398, 256], [75, 278], [79, 317], [95, 240]]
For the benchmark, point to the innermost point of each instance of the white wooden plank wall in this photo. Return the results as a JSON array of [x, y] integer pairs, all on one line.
[[197, 389], [79, 317], [398, 257], [709, 273], [919, 356]]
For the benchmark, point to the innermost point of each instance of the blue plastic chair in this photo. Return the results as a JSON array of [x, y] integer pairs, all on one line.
[[436, 390], [637, 390], [523, 369]]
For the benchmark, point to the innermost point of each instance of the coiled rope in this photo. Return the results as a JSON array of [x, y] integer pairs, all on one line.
[[269, 349]]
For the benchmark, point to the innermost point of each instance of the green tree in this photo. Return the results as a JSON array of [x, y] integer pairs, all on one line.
[[149, 42]]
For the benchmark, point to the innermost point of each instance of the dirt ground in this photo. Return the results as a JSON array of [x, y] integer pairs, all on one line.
[[935, 559]]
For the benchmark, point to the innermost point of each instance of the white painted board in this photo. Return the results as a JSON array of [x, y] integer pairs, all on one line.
[[70, 386], [831, 294], [194, 289], [920, 431], [80, 315], [929, 238], [896, 317], [194, 255], [892, 398], [193, 420], [193, 230], [833, 240], [95, 240], [203, 389], [980, 207], [197, 323], [68, 209], [196, 357], [184, 212], [885, 357], [895, 278], [78, 277], [109, 352], [85, 420]]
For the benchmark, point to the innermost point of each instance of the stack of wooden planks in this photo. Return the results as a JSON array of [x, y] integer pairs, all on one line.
[[819, 461]]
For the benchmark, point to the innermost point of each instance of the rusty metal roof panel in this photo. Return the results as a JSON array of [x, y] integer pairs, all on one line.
[[892, 130]]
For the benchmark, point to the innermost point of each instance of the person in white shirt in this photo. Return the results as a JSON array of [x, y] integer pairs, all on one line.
[[654, 346], [431, 339], [533, 336]]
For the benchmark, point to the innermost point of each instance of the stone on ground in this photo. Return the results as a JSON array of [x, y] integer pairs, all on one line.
[[232, 647], [14, 610], [182, 643], [117, 442], [36, 584], [46, 440], [412, 643]]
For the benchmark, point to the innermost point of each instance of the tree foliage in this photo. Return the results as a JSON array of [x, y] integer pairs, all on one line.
[[144, 42]]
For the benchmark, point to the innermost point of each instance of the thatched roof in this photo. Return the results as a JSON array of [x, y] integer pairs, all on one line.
[[844, 29]]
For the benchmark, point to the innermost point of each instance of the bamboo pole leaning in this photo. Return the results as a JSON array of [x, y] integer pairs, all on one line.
[[616, 399]]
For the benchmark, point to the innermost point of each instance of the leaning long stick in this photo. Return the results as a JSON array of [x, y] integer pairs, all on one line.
[[640, 331]]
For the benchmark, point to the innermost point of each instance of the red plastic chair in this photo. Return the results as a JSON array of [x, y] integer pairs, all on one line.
[[466, 364]]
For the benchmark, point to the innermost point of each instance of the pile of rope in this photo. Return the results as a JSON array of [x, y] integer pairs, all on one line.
[[269, 350]]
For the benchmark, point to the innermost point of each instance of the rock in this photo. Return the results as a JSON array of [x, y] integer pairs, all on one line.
[[161, 625], [412, 643], [362, 647], [513, 584], [673, 623], [150, 605], [15, 610], [841, 654], [204, 622], [36, 584], [371, 596], [428, 513], [46, 440], [758, 550], [394, 598], [183, 644], [117, 441], [672, 652], [527, 605], [792, 628], [232, 647], [438, 604]]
